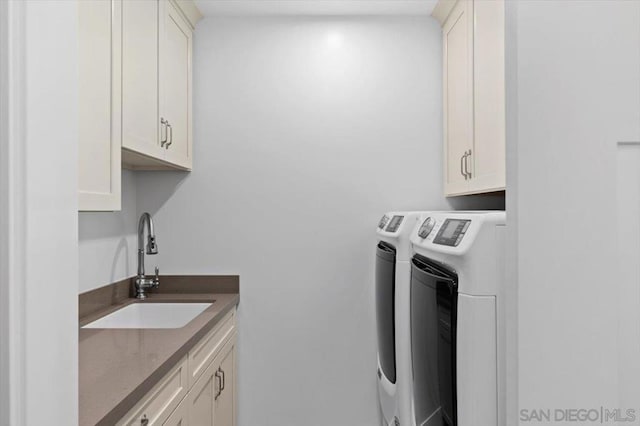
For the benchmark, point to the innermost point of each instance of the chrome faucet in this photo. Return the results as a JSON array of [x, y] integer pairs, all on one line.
[[143, 282]]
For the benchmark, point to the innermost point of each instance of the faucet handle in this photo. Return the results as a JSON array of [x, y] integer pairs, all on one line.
[[156, 279]]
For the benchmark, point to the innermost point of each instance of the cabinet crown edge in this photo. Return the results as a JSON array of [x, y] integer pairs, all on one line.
[[442, 10], [189, 10]]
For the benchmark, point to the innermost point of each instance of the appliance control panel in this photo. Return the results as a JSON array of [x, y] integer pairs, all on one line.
[[383, 222], [394, 223], [451, 232], [426, 227]]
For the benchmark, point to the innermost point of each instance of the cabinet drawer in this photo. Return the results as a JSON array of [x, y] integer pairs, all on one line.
[[158, 404], [204, 352], [180, 417]]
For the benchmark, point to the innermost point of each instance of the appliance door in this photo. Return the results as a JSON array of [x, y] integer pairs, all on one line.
[[434, 300], [385, 308]]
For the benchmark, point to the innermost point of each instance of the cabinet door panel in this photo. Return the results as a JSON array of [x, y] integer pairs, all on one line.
[[489, 97], [165, 397], [175, 88], [99, 104], [225, 404], [180, 417], [140, 121], [458, 94], [201, 402], [208, 348]]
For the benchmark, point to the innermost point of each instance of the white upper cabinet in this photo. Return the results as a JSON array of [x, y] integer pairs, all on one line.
[[140, 96], [99, 132], [473, 95], [175, 86], [134, 92], [157, 49], [458, 95], [489, 162]]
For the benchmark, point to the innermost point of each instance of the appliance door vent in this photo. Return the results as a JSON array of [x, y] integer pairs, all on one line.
[[385, 308], [434, 301]]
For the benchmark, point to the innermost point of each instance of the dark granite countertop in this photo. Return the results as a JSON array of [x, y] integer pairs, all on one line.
[[117, 367]]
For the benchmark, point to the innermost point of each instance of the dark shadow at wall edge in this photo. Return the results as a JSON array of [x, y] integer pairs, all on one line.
[[155, 195], [98, 225], [489, 201]]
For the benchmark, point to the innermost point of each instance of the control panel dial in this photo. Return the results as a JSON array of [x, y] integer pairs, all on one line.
[[426, 228], [383, 221]]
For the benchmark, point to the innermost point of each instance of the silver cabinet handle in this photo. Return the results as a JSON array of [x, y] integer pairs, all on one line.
[[463, 167], [223, 381], [467, 165], [163, 124], [170, 135], [219, 381], [144, 421]]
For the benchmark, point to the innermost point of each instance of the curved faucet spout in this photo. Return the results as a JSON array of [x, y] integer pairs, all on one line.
[[152, 247]]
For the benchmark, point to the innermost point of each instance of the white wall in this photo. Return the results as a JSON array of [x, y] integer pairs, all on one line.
[[39, 204], [51, 319], [306, 131], [577, 95], [108, 241]]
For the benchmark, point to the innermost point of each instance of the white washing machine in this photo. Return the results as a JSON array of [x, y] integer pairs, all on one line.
[[392, 279], [457, 319]]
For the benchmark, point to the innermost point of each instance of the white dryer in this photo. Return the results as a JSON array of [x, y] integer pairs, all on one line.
[[457, 319], [392, 279]]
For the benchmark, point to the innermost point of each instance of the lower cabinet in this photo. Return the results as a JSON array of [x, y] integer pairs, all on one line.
[[201, 399], [209, 399], [224, 411], [180, 417], [157, 405]]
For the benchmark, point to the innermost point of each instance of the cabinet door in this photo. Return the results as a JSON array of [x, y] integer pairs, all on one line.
[[180, 417], [457, 39], [175, 87], [205, 351], [100, 32], [201, 397], [225, 410], [488, 169], [140, 120], [156, 407]]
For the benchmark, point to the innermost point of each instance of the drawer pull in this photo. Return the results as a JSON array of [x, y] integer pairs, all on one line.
[[223, 382], [144, 421]]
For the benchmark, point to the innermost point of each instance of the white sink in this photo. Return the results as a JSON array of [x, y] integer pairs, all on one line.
[[151, 315]]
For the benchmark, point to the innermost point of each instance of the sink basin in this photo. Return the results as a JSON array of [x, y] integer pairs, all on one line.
[[151, 315]]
